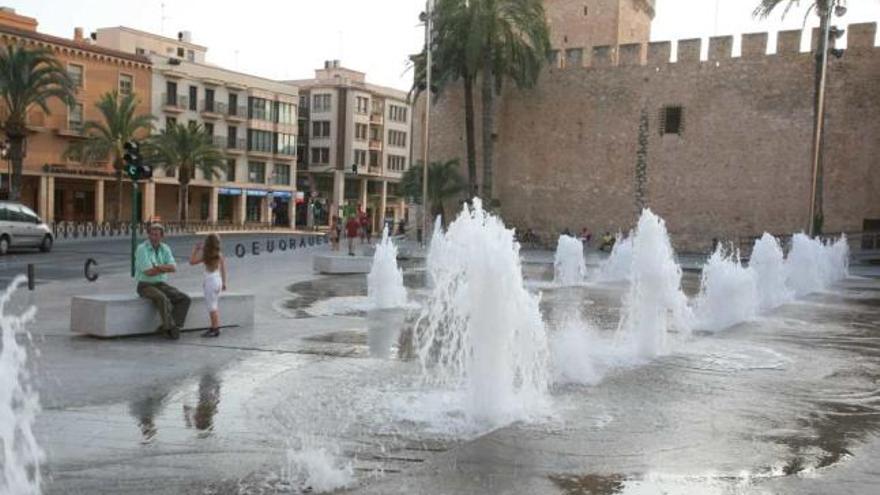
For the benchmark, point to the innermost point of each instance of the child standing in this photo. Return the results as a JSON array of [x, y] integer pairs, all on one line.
[[215, 278]]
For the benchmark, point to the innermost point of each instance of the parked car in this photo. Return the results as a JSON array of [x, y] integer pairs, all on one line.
[[21, 227]]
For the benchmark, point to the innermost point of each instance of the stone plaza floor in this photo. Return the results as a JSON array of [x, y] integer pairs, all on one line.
[[785, 404]]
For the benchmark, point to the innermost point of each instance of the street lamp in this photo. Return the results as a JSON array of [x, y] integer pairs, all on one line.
[[429, 6], [819, 124]]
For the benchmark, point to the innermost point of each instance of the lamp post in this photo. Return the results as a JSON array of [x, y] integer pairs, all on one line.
[[819, 123], [426, 143]]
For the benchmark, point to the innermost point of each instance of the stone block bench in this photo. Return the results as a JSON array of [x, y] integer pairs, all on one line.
[[116, 315], [342, 264]]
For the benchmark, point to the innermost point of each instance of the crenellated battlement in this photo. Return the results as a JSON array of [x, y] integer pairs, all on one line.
[[859, 37]]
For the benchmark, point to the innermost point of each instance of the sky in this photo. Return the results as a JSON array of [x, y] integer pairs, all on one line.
[[289, 39]]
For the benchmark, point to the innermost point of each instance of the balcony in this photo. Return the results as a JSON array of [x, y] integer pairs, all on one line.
[[73, 129], [175, 103], [236, 113], [375, 144], [212, 109], [376, 119], [234, 145]]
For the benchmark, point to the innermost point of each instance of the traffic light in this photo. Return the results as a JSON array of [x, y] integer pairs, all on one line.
[[135, 167]]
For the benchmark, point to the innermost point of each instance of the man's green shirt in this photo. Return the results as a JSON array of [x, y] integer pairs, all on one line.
[[147, 257]]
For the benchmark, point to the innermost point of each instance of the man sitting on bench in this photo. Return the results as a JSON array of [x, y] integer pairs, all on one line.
[[153, 263]]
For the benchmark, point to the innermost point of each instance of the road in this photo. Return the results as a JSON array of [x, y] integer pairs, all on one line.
[[67, 260]]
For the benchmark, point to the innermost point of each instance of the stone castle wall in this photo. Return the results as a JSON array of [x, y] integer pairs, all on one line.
[[568, 152]]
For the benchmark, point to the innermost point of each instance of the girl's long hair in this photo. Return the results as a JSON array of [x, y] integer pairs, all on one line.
[[211, 253]]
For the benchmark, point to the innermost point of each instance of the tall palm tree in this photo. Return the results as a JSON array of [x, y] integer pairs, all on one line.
[[450, 64], [822, 9], [515, 42], [495, 39], [105, 140], [28, 77], [444, 182], [184, 149]]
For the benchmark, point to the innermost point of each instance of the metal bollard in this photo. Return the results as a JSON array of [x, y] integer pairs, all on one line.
[[30, 276]]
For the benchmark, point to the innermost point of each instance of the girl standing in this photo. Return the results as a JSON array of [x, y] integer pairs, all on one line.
[[215, 278]]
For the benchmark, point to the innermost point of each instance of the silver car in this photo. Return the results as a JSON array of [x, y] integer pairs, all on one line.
[[21, 227]]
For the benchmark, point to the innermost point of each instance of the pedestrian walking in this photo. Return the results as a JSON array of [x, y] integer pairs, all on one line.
[[214, 281], [352, 228]]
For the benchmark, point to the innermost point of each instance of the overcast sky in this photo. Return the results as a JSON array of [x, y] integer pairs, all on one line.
[[288, 39]]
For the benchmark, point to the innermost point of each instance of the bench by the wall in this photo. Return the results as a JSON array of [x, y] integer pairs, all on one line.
[[127, 314]]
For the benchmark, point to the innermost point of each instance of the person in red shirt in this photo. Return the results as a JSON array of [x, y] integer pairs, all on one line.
[[352, 228]]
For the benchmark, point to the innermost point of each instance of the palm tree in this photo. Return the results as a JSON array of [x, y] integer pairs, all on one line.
[[183, 149], [105, 140], [515, 42], [497, 39], [451, 21], [444, 182], [823, 9], [28, 77]]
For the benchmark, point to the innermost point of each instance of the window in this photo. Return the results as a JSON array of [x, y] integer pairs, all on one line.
[[397, 113], [397, 138], [553, 58], [76, 74], [671, 120], [586, 10], [320, 155], [282, 175], [362, 104], [232, 137], [140, 51], [180, 52], [257, 172], [360, 132], [209, 128], [126, 84], [171, 93], [360, 158], [233, 104], [259, 109], [374, 158], [374, 133], [321, 129], [193, 97], [230, 170], [209, 100], [378, 107], [321, 103], [285, 144], [286, 113], [170, 122], [75, 117], [259, 141], [191, 55], [396, 163]]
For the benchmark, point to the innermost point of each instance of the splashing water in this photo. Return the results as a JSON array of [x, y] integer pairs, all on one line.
[[618, 266], [481, 329], [728, 292], [385, 280], [569, 266], [813, 266], [654, 305], [571, 346], [768, 265], [316, 469], [19, 405]]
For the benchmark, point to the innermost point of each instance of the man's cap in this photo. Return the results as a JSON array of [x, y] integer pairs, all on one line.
[[157, 225]]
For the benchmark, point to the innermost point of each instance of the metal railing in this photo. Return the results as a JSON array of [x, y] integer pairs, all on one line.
[[212, 106], [68, 231], [175, 101], [237, 111], [235, 144]]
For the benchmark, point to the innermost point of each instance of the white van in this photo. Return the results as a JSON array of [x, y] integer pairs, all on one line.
[[21, 227]]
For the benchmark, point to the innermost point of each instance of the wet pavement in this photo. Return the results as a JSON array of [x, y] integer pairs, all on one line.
[[789, 403]]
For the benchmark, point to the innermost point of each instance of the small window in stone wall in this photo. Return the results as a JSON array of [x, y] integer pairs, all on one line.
[[671, 120], [553, 58], [574, 57]]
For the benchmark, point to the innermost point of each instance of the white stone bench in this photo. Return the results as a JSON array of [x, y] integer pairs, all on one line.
[[127, 314], [342, 264]]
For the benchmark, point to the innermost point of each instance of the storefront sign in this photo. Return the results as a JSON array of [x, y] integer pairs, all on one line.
[[282, 194], [300, 197], [229, 191], [256, 192]]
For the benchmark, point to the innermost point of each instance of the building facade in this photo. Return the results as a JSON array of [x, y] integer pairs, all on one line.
[[58, 188], [720, 147], [254, 120], [354, 144]]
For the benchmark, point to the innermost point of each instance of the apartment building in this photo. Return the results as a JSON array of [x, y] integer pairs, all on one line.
[[252, 118], [354, 142], [58, 188]]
